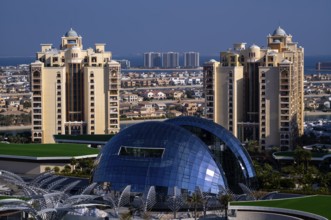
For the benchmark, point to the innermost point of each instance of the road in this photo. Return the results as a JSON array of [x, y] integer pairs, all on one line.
[[317, 113], [162, 70], [15, 94], [317, 95], [162, 87], [319, 82], [15, 128]]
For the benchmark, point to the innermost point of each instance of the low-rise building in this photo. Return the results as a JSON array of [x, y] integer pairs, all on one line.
[[191, 108], [129, 97]]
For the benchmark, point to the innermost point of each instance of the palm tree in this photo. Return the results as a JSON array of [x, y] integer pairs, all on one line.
[[73, 163], [195, 200], [224, 199], [302, 156]]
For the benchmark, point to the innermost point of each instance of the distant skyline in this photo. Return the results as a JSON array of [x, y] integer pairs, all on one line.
[[131, 27]]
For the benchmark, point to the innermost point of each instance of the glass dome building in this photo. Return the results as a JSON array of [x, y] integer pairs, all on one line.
[[184, 152]]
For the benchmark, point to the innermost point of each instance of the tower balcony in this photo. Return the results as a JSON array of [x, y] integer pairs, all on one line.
[[284, 88], [36, 88], [113, 115], [113, 92], [113, 110]]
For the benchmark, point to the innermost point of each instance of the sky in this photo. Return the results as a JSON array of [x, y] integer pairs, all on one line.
[[131, 27]]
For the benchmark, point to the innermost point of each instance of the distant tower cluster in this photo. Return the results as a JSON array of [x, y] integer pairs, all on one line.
[[170, 60], [257, 93], [75, 91], [152, 60], [191, 59], [125, 64]]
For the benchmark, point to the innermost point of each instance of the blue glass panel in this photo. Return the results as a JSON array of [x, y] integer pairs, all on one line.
[[184, 162], [224, 135]]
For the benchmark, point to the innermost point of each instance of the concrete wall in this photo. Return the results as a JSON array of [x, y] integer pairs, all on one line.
[[28, 167], [246, 215]]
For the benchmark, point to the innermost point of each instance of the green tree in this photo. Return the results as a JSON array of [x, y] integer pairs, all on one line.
[[27, 104], [189, 94], [195, 200], [253, 147], [267, 177], [126, 216], [224, 200], [73, 163], [302, 156], [67, 169], [56, 169]]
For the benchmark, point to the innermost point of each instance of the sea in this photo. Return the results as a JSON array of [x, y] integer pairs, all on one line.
[[137, 61]]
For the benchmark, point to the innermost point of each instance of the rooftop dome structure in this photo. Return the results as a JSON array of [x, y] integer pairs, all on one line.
[[71, 33], [185, 152], [254, 47], [279, 32], [158, 154], [225, 137]]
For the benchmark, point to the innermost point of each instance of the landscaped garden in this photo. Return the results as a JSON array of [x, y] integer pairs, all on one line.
[[46, 150], [319, 205]]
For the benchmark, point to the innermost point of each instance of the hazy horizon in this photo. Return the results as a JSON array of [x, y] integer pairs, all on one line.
[[131, 27]]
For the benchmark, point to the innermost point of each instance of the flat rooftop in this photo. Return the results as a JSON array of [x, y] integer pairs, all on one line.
[[289, 155], [100, 139]]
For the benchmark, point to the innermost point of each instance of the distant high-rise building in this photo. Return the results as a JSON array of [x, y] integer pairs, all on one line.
[[152, 60], [323, 66], [257, 93], [170, 60], [75, 91], [125, 64], [191, 59]]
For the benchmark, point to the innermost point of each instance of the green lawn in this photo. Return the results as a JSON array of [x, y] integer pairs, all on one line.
[[320, 205], [46, 150]]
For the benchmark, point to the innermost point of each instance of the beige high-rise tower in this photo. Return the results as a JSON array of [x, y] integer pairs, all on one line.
[[257, 93], [75, 91]]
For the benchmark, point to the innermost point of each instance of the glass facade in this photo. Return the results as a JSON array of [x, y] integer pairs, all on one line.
[[158, 154], [74, 92], [226, 148], [184, 152]]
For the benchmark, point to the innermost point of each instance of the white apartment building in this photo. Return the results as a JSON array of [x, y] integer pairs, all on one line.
[[257, 93], [75, 90]]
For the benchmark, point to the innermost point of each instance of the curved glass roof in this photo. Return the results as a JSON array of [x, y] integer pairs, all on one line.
[[158, 154], [227, 137]]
